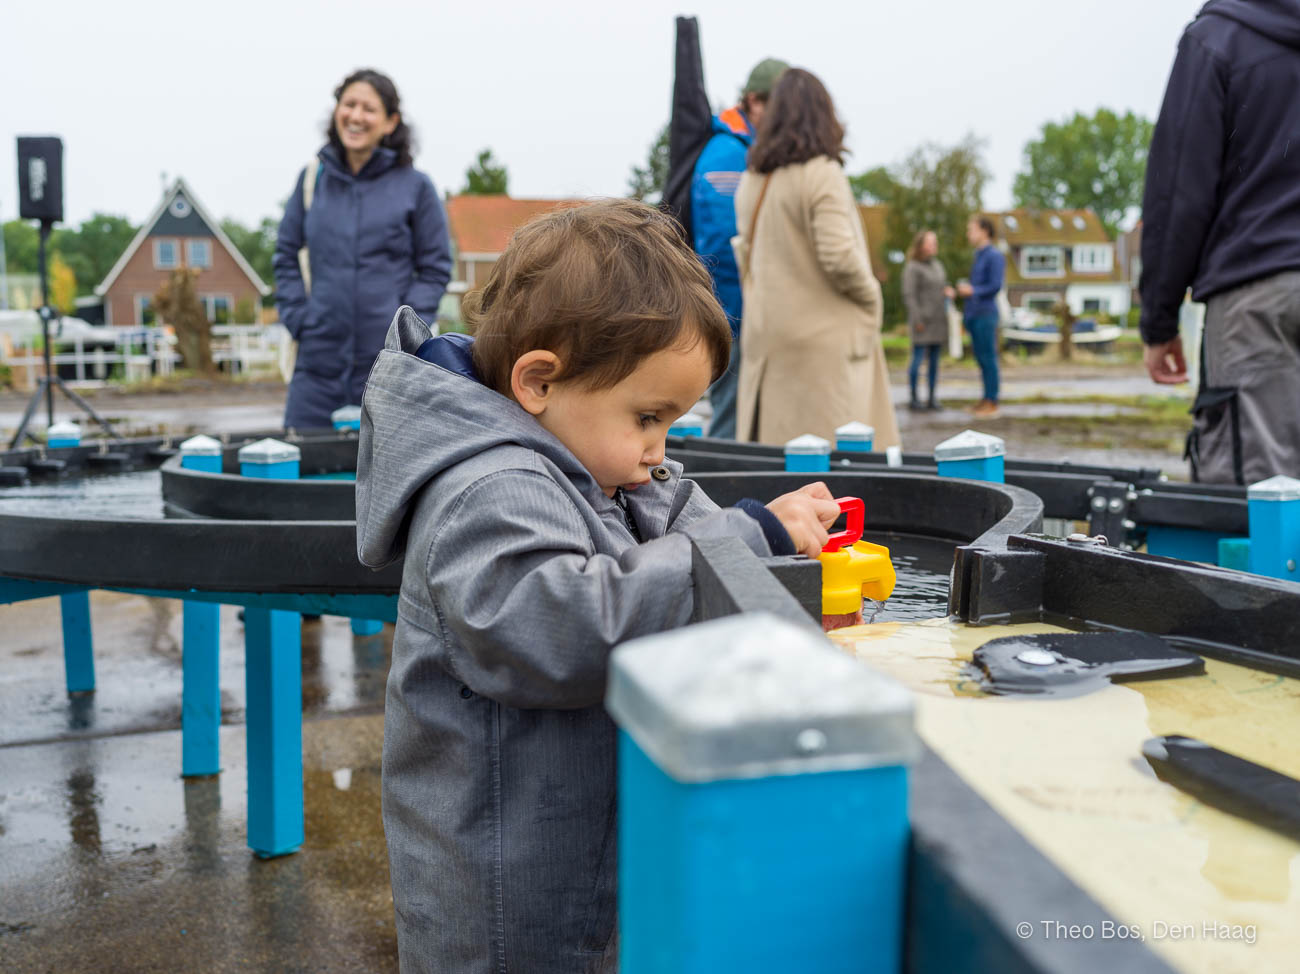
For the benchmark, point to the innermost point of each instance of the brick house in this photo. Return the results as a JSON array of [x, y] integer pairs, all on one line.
[[180, 233], [1055, 255], [481, 225]]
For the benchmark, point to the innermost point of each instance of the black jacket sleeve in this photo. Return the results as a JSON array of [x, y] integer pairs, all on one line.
[[1182, 184]]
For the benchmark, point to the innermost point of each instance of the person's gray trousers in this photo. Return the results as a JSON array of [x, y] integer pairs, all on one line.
[[1247, 425]]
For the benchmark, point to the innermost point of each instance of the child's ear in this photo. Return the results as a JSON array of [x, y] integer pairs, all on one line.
[[532, 379]]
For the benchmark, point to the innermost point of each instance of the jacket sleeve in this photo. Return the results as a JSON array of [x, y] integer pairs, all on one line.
[[911, 292], [1179, 201], [986, 275], [534, 610], [834, 239], [290, 293], [432, 253]]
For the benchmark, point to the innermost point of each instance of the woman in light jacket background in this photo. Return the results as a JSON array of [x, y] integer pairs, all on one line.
[[812, 358], [925, 293], [376, 239]]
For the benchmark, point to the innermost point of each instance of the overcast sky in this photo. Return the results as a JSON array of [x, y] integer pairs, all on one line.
[[232, 95]]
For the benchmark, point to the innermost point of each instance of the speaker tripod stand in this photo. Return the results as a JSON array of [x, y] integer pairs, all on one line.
[[51, 380]]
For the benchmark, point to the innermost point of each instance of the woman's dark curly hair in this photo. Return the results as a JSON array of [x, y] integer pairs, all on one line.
[[401, 140], [799, 124]]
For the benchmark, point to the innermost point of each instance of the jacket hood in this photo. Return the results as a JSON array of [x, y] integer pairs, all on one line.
[[424, 411], [734, 122], [1278, 20], [380, 161]]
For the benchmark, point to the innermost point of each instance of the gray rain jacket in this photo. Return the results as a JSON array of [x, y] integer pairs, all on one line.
[[520, 577]]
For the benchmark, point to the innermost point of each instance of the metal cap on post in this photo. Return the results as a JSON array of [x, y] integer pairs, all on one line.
[[270, 459], [201, 453], [63, 433], [691, 424], [808, 454], [855, 437], [346, 418], [1273, 507], [972, 455], [770, 769]]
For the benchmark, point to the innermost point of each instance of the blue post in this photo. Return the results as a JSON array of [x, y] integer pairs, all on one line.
[[63, 433], [854, 437], [273, 686], [807, 454], [200, 650], [1273, 507], [273, 681], [78, 646], [773, 841], [691, 424], [973, 456], [200, 689], [346, 418], [367, 627]]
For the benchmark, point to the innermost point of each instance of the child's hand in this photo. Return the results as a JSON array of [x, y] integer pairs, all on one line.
[[806, 515]]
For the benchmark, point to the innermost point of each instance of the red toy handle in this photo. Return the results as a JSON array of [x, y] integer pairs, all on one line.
[[857, 514]]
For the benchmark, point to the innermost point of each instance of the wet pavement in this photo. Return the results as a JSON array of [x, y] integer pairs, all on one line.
[[110, 861]]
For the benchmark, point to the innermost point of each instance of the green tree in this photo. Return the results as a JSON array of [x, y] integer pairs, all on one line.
[[647, 182], [486, 176], [937, 188], [93, 248], [22, 241], [257, 245], [1097, 162]]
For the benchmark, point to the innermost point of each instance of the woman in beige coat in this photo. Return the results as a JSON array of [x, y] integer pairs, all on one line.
[[812, 359]]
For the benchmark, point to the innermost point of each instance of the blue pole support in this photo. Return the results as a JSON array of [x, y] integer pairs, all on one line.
[[78, 644], [346, 418], [200, 689], [63, 433], [200, 650], [972, 456], [774, 841], [367, 627], [808, 454], [1273, 507], [854, 437], [273, 686], [1233, 553]]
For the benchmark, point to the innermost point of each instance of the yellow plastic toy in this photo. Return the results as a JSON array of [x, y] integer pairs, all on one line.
[[853, 569]]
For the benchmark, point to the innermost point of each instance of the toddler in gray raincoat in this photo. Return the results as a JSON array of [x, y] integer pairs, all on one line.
[[522, 476]]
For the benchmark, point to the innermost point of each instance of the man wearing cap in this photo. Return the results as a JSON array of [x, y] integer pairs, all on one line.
[[713, 216]]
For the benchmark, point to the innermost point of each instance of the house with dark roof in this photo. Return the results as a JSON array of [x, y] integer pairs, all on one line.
[[180, 233], [1060, 255]]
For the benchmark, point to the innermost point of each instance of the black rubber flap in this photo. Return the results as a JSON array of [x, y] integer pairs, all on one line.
[[1233, 784], [1079, 661]]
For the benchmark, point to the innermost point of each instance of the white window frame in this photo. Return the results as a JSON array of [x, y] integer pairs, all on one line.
[[1103, 305], [1041, 251], [1093, 258], [137, 304], [189, 252], [210, 305], [1052, 296], [158, 265]]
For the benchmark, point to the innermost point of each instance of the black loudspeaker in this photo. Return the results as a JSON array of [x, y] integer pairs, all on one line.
[[40, 178]]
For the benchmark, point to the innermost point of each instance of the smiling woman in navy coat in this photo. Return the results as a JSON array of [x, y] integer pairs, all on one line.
[[377, 239]]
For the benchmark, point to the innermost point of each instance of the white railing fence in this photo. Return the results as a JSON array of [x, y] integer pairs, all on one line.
[[138, 352]]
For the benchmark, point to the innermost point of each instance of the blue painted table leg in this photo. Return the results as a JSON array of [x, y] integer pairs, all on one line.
[[367, 627], [201, 689], [78, 647], [273, 680]]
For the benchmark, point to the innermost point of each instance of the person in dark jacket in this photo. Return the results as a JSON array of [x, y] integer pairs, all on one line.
[[1221, 214], [713, 219], [376, 239], [980, 313]]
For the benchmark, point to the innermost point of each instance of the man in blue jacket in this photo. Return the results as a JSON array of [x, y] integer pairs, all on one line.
[[980, 312], [1221, 214], [713, 218]]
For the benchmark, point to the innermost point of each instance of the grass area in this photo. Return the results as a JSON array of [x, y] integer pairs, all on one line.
[[1142, 422], [186, 380]]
